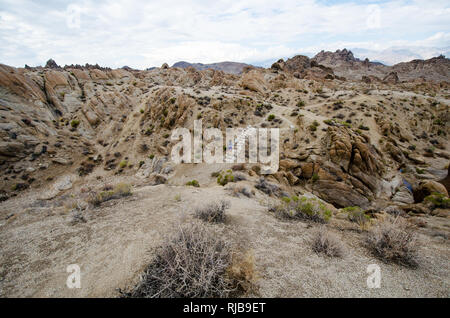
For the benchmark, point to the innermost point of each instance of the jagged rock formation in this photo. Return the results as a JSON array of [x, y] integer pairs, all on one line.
[[52, 64], [85, 119], [227, 67], [345, 64], [301, 66]]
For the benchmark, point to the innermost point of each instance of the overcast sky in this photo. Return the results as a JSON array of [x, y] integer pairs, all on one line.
[[145, 33]]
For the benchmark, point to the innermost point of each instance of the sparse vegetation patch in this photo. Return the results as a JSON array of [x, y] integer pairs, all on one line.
[[393, 241], [195, 262]]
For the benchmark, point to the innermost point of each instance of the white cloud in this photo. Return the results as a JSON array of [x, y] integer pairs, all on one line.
[[142, 33]]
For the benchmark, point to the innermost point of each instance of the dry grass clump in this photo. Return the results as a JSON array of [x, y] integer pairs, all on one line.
[[119, 191], [325, 242], [242, 274], [195, 262], [394, 241], [213, 212]]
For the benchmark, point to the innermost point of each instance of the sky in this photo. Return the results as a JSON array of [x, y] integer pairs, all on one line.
[[146, 33]]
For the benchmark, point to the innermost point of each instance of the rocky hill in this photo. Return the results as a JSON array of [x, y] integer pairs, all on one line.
[[346, 65], [87, 177], [227, 67]]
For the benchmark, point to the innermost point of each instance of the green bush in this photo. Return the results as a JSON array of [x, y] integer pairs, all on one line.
[[286, 199], [271, 117], [193, 183], [225, 177], [420, 171], [314, 125], [438, 200], [362, 127], [75, 123], [123, 164]]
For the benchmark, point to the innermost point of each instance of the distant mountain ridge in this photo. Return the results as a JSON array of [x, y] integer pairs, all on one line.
[[395, 55], [227, 67]]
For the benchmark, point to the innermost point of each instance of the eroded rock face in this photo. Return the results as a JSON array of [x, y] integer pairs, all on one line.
[[57, 119], [391, 78], [394, 152], [15, 82], [351, 172], [403, 195], [352, 152], [254, 81], [339, 194]]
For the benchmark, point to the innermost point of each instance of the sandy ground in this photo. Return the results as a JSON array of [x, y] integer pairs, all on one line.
[[114, 245]]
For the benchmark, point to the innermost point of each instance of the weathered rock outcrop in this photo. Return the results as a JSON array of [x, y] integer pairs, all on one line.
[[17, 83], [254, 81], [344, 64], [391, 78], [339, 194], [352, 172], [428, 187], [301, 66]]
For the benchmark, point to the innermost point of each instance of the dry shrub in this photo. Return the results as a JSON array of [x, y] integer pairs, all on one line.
[[268, 188], [327, 243], [237, 190], [303, 208], [394, 241], [213, 212], [357, 215], [195, 262], [242, 273]]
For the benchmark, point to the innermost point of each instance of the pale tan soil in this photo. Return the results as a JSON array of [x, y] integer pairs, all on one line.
[[113, 247]]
